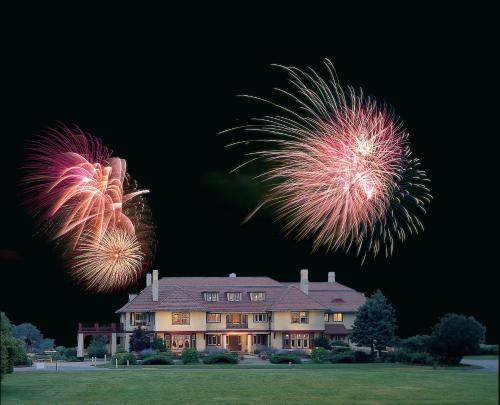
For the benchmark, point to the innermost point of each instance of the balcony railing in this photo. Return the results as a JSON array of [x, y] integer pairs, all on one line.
[[100, 327], [230, 325]]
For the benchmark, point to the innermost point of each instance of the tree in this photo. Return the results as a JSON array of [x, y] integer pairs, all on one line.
[[12, 349], [158, 344], [139, 340], [32, 338], [322, 341], [375, 323], [97, 346], [455, 336]]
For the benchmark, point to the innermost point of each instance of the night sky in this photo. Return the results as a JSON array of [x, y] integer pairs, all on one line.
[[159, 99]]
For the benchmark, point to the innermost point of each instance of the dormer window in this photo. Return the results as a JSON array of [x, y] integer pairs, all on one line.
[[257, 296], [211, 296], [234, 296]]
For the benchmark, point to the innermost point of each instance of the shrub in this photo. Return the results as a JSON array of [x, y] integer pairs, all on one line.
[[221, 358], [345, 357], [362, 357], [70, 352], [189, 356], [488, 349], [157, 359], [455, 336], [417, 343], [139, 340], [158, 344], [320, 355], [406, 356], [97, 346], [145, 353], [322, 341], [123, 357], [285, 358], [80, 358], [388, 357]]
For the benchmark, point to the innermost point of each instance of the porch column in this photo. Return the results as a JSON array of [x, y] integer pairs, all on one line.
[[113, 343], [249, 343], [79, 350], [223, 342], [126, 346]]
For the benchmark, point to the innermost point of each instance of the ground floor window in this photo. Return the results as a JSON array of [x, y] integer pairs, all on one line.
[[339, 337], [179, 342], [296, 340], [213, 340], [260, 340]]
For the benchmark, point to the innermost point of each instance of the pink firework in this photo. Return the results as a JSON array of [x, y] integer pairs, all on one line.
[[340, 167]]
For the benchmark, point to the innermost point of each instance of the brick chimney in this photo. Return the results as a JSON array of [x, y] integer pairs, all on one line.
[[232, 275], [148, 279], [304, 281], [331, 277], [155, 285]]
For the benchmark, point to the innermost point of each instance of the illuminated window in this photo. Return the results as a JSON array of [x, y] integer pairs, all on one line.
[[234, 296], [257, 296], [326, 316], [211, 296], [338, 317], [179, 342], [300, 317], [213, 317], [180, 318]]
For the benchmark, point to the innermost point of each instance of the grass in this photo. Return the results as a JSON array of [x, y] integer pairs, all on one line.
[[482, 357], [366, 384]]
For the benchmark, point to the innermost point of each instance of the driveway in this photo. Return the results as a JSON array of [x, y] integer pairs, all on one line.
[[487, 365]]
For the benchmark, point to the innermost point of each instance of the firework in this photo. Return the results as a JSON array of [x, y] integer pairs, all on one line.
[[112, 263], [76, 190], [341, 168]]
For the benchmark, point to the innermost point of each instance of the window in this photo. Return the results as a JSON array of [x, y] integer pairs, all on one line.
[[213, 340], [296, 341], [339, 337], [257, 296], [326, 316], [260, 340], [300, 317], [237, 319], [211, 296], [140, 318], [234, 296], [213, 317], [180, 318], [260, 317], [338, 317], [180, 341]]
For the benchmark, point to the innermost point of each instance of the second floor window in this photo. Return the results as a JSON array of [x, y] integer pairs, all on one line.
[[300, 317], [326, 316], [338, 317], [211, 296], [180, 318], [213, 317], [140, 318], [257, 296], [260, 317], [234, 296]]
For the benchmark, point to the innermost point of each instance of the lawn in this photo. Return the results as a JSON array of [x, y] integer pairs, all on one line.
[[367, 384]]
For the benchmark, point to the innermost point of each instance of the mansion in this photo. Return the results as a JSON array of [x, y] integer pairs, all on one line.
[[234, 313]]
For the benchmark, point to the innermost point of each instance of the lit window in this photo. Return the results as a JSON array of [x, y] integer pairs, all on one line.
[[260, 317], [211, 296], [234, 296], [213, 317], [326, 316], [180, 341], [338, 317], [257, 296], [180, 318], [300, 317], [140, 318]]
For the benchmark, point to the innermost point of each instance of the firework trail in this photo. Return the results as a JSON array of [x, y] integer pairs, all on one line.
[[75, 188], [341, 169]]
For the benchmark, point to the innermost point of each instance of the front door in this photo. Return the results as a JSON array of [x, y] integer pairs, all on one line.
[[234, 343]]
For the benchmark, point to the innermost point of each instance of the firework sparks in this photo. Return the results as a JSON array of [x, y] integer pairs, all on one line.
[[112, 263], [76, 189], [341, 168]]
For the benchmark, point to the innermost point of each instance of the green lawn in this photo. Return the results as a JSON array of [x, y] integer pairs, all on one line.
[[367, 384]]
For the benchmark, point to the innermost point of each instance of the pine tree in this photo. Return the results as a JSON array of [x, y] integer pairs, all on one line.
[[375, 323]]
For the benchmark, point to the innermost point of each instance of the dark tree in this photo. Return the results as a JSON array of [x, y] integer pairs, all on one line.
[[158, 344], [455, 336], [97, 346], [375, 323], [139, 340], [322, 341]]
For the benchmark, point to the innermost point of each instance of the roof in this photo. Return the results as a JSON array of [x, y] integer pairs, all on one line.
[[186, 293], [336, 329]]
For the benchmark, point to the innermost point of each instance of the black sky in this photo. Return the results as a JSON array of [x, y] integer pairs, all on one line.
[[158, 97]]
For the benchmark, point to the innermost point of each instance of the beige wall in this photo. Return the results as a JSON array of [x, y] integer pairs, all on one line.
[[282, 320], [163, 321], [348, 319], [200, 341]]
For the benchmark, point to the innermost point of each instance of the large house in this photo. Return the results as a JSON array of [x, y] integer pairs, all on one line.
[[234, 313]]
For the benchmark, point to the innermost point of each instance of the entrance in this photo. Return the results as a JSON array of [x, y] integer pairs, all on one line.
[[234, 343]]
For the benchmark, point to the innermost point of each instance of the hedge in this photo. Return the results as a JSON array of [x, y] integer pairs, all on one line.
[[285, 358], [221, 358]]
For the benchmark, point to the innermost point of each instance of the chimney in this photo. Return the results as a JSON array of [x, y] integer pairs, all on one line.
[[155, 285], [148, 279], [131, 297], [331, 277], [232, 275], [304, 281]]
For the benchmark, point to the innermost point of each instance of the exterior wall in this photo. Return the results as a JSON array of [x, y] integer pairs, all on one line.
[[217, 326], [258, 325], [277, 340], [221, 326], [348, 319], [201, 343], [125, 319], [282, 320], [163, 322]]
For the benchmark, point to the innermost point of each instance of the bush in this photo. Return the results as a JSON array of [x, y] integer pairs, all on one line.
[[97, 346], [285, 358], [80, 358], [157, 359], [322, 341], [362, 357], [344, 357], [487, 349], [455, 336], [123, 357], [145, 353], [189, 356], [320, 355], [406, 356], [69, 352], [139, 340], [388, 357], [417, 343], [158, 344], [221, 358]]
